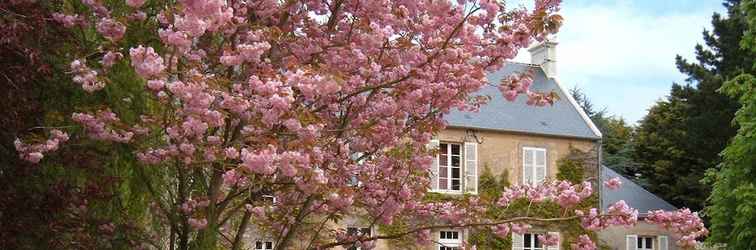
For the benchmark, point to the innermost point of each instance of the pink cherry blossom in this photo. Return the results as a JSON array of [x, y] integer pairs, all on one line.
[[86, 76], [111, 29], [135, 3], [35, 152], [110, 58], [613, 183], [68, 21], [549, 239], [146, 62], [584, 243]]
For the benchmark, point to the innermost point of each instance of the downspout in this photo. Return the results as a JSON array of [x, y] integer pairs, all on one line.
[[600, 174]]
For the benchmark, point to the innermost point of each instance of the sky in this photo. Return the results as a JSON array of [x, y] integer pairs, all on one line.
[[622, 53]]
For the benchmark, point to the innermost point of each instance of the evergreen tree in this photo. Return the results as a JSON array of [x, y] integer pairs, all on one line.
[[682, 136], [617, 135], [732, 205]]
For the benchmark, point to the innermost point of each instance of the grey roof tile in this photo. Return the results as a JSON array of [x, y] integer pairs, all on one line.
[[633, 194], [561, 119]]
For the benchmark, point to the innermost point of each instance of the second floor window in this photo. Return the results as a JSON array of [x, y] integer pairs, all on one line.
[[533, 165], [455, 167], [449, 167]]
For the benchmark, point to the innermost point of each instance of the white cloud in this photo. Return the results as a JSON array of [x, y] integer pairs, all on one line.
[[622, 56]]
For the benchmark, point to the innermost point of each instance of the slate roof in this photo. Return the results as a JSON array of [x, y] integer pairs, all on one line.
[[633, 194], [561, 119]]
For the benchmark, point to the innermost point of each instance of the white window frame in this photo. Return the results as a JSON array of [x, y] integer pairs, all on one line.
[[270, 198], [449, 178], [264, 244], [534, 167], [449, 243]]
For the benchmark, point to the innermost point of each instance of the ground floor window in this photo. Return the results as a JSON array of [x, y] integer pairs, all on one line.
[[263, 245], [531, 242], [449, 240], [645, 243]]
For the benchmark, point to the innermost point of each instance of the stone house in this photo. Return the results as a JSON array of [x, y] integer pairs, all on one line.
[[524, 140]]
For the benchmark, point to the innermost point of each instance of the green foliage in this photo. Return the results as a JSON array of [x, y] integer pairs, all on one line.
[[570, 170], [732, 204], [682, 136], [617, 135]]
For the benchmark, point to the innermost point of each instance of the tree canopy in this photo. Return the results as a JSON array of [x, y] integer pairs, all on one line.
[[682, 135], [732, 204]]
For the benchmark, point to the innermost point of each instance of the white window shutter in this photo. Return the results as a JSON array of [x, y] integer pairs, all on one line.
[[518, 243], [433, 145], [559, 243], [663, 242], [540, 166], [632, 242], [527, 166], [471, 167]]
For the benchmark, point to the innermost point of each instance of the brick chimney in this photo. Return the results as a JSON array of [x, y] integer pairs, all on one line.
[[544, 54]]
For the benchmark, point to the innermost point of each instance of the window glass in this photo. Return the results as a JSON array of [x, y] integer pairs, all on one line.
[[531, 242], [645, 242], [450, 167]]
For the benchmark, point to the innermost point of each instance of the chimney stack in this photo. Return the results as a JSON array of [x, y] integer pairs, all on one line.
[[544, 54]]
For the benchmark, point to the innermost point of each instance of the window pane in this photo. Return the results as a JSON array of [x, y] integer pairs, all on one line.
[[269, 245], [537, 242], [455, 185], [540, 157], [640, 242], [455, 173], [443, 159], [443, 183], [455, 149], [528, 157], [527, 240], [649, 243], [455, 161], [443, 172]]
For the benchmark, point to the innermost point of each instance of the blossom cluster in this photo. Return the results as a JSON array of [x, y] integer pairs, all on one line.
[[100, 126], [563, 193], [618, 214], [86, 76], [35, 152], [584, 242], [686, 224]]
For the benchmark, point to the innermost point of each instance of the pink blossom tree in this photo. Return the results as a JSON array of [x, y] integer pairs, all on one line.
[[327, 106]]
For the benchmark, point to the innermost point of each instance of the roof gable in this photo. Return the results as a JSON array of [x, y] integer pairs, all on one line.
[[564, 118]]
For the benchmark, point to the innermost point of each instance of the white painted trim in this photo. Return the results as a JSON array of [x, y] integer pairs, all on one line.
[[579, 109]]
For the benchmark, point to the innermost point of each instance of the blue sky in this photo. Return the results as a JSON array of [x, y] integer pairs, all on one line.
[[621, 53]]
